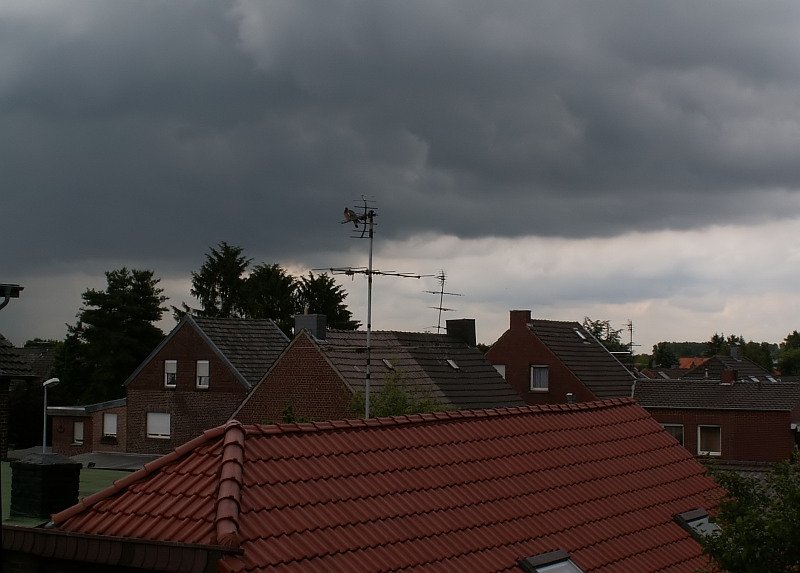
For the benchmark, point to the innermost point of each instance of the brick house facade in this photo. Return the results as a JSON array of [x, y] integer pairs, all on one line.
[[546, 361], [196, 378], [730, 422], [93, 428], [302, 379]]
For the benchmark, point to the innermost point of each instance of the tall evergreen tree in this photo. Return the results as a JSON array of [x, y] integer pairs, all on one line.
[[219, 285], [270, 292], [114, 333], [321, 295]]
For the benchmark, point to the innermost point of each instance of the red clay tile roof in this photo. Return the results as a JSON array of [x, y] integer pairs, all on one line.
[[470, 490], [691, 361], [591, 363]]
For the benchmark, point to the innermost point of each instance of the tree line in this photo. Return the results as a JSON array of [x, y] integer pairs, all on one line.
[[783, 357], [116, 327]]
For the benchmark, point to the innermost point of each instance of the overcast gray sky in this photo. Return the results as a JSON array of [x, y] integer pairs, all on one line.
[[621, 160]]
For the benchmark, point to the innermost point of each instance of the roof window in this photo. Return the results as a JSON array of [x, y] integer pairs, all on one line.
[[453, 364], [581, 335], [553, 562], [388, 364], [697, 522]]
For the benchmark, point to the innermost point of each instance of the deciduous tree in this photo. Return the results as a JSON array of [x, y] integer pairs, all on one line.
[[759, 522]]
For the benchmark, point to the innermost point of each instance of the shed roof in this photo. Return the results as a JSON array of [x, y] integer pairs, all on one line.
[[714, 395], [585, 357], [462, 490]]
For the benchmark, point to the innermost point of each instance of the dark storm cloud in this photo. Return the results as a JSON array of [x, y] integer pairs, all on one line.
[[131, 128]]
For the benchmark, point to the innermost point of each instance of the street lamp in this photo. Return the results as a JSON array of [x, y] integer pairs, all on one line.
[[45, 385]]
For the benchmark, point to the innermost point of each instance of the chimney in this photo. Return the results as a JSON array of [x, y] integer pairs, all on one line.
[[736, 351], [519, 318], [728, 376], [570, 398], [314, 323], [462, 329]]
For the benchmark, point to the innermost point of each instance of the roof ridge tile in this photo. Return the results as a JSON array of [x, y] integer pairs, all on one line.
[[226, 520]]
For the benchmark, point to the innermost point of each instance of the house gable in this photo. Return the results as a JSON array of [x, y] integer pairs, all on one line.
[[162, 416], [518, 349], [303, 379]]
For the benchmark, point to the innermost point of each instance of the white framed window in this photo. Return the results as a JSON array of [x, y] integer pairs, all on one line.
[[158, 425], [675, 430], [170, 373], [709, 440], [501, 369], [77, 433], [110, 425], [203, 374], [540, 378]]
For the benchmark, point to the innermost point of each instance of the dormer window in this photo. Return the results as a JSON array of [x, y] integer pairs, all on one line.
[[170, 373], [203, 376]]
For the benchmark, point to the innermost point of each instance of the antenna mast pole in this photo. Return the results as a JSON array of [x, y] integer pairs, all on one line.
[[367, 218], [371, 222]]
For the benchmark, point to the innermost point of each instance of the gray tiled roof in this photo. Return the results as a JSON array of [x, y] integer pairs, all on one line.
[[421, 362], [40, 359], [12, 363], [586, 358], [713, 367], [250, 345], [712, 395]]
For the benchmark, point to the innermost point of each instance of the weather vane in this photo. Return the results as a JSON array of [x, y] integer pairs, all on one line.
[[364, 226]]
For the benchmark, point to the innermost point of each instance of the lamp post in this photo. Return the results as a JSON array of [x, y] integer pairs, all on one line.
[[45, 385]]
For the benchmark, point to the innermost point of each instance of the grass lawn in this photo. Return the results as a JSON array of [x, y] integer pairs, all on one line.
[[92, 480]]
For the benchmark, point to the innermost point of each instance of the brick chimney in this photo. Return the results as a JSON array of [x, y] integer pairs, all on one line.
[[462, 329], [728, 376], [316, 324], [519, 319]]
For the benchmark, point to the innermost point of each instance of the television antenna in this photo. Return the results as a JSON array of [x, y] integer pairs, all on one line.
[[630, 331], [441, 277], [365, 216]]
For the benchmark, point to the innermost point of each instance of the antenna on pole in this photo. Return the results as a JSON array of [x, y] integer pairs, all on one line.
[[631, 344], [441, 277], [366, 218]]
